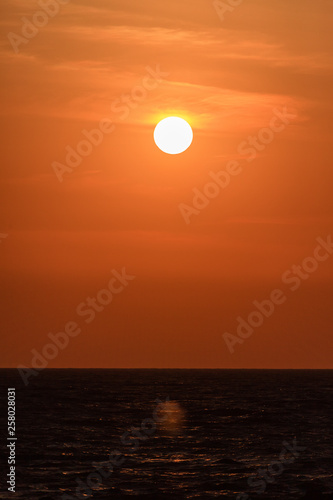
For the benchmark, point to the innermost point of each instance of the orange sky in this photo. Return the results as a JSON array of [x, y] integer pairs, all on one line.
[[120, 206]]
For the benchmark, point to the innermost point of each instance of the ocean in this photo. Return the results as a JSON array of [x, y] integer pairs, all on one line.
[[171, 434]]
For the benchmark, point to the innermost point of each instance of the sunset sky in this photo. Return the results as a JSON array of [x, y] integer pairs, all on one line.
[[120, 206]]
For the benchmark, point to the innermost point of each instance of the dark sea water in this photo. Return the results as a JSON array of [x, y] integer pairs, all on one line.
[[216, 434]]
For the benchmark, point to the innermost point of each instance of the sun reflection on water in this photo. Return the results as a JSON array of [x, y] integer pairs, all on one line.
[[171, 417]]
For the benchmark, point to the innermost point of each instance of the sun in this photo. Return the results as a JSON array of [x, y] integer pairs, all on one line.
[[173, 135]]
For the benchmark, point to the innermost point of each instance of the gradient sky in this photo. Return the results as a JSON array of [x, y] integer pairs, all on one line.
[[120, 206]]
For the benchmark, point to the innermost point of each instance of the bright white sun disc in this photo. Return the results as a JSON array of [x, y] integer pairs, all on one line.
[[173, 135]]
